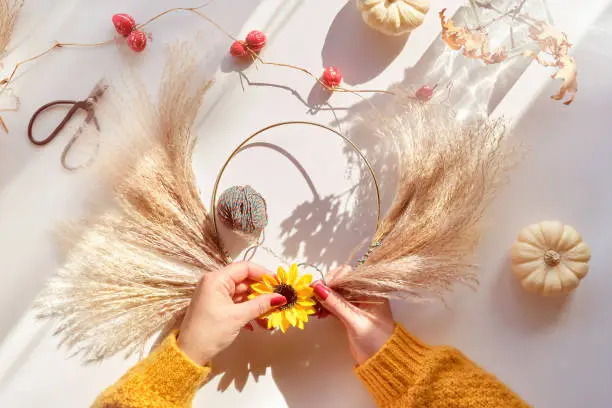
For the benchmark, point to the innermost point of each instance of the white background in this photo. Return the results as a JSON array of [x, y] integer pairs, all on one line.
[[553, 352]]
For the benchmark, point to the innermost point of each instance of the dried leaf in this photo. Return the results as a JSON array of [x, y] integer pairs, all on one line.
[[452, 35], [554, 43], [568, 73], [550, 39], [553, 50], [497, 57], [475, 42]]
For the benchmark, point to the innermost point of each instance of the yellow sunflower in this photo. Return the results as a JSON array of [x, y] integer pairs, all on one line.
[[295, 289]]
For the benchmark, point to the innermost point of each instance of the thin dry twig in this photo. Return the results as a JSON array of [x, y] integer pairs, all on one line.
[[196, 11], [257, 58], [13, 109]]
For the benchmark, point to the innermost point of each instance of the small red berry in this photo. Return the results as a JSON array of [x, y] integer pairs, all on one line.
[[332, 77], [137, 40], [239, 49], [425, 93], [124, 24], [256, 40]]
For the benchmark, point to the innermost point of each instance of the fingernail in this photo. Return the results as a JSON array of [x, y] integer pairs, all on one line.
[[278, 300], [263, 323], [321, 291], [249, 327]]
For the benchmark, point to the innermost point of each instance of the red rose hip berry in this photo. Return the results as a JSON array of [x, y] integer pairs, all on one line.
[[239, 49], [124, 24], [425, 93], [137, 40], [332, 77], [256, 40]]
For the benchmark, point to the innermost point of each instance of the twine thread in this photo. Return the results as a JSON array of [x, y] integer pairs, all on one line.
[[243, 209]]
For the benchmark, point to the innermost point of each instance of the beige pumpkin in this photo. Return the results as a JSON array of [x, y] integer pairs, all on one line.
[[550, 258], [393, 17]]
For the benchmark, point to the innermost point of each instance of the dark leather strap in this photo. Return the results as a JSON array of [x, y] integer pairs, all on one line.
[[76, 105]]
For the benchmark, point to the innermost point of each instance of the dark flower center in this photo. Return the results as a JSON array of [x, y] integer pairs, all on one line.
[[289, 293]]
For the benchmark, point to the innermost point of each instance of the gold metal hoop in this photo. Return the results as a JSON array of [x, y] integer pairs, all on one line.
[[254, 135]]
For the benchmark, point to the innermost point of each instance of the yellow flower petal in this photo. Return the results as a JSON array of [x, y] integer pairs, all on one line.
[[261, 288], [284, 325], [293, 274], [252, 296], [270, 281], [303, 282], [282, 275], [274, 320], [309, 311], [300, 314], [300, 325], [291, 317], [306, 302], [305, 293]]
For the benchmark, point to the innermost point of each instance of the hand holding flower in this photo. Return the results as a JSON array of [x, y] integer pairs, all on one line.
[[214, 320]]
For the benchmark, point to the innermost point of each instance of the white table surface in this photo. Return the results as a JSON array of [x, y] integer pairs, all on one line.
[[553, 352]]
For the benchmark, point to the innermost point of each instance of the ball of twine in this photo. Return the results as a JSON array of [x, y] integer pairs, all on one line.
[[242, 209]]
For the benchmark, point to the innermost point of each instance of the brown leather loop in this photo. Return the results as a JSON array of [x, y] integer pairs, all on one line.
[[76, 105]]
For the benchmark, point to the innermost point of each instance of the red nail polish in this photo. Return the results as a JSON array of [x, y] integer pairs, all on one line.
[[278, 300], [321, 291], [263, 323]]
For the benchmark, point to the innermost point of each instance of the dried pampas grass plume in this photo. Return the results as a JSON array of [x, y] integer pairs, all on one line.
[[9, 9], [449, 172], [134, 268]]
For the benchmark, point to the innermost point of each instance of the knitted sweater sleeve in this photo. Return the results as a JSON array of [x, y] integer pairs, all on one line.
[[167, 378], [407, 373]]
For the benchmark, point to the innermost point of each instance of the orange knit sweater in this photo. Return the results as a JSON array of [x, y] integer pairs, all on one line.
[[404, 373]]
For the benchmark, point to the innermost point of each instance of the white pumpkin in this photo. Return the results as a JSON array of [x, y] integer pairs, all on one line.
[[393, 17], [550, 257]]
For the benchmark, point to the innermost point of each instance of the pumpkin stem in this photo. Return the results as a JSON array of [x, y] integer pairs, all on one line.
[[552, 258]]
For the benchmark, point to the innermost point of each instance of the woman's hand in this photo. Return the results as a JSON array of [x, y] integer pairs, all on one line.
[[218, 311], [368, 325]]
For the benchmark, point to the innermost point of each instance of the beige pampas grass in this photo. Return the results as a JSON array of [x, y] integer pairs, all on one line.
[[9, 9], [134, 268], [449, 172]]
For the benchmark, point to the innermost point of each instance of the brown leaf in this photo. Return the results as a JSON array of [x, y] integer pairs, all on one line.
[[554, 43], [497, 57], [550, 39], [475, 43], [553, 50], [568, 73], [452, 35]]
